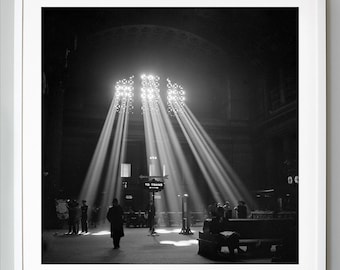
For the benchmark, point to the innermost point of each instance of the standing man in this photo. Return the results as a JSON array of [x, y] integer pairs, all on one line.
[[77, 215], [115, 217], [151, 217], [241, 209], [84, 208], [228, 212], [68, 205], [74, 216]]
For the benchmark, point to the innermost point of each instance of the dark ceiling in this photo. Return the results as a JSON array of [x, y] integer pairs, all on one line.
[[252, 32], [200, 48]]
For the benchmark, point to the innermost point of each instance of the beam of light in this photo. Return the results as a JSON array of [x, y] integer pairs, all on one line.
[[94, 172], [162, 141], [151, 150], [156, 142], [213, 189], [222, 181], [208, 165], [150, 105], [112, 183], [212, 162], [204, 161], [172, 186], [187, 176], [122, 103], [222, 168], [173, 154]]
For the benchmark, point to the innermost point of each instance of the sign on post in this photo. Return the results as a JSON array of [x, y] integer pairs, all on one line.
[[154, 185]]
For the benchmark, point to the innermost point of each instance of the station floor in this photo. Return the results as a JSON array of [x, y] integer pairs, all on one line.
[[136, 247]]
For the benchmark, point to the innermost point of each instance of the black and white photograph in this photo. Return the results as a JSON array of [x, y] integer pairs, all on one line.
[[160, 134], [170, 135]]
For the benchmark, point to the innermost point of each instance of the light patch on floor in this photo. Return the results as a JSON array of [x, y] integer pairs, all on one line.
[[182, 243], [101, 233], [166, 231]]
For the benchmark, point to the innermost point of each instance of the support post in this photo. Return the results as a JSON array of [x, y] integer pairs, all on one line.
[[185, 216], [152, 225]]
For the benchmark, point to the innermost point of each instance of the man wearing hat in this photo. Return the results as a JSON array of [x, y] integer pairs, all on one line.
[[115, 217]]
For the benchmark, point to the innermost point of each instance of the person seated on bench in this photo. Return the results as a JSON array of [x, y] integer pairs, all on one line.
[[219, 226]]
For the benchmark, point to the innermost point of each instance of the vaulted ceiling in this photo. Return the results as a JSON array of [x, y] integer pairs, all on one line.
[[223, 57]]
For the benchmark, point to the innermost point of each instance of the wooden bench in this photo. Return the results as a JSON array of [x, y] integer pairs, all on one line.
[[262, 245], [257, 235], [261, 234]]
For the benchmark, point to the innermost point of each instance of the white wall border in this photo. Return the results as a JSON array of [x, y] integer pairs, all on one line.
[[11, 135]]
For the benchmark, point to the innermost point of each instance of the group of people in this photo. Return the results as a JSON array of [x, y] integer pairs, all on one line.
[[219, 226], [77, 215], [136, 218], [115, 215], [240, 210]]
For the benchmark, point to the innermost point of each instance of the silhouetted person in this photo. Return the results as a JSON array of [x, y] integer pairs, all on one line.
[[140, 219], [219, 224], [68, 205], [94, 216], [84, 208], [115, 217], [212, 208], [227, 210], [151, 217], [241, 209], [74, 217], [131, 217], [77, 217]]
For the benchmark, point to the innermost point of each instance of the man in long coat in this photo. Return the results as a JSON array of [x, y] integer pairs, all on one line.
[[115, 217]]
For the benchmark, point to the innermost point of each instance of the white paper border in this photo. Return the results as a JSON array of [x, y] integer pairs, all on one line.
[[311, 128], [11, 135]]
